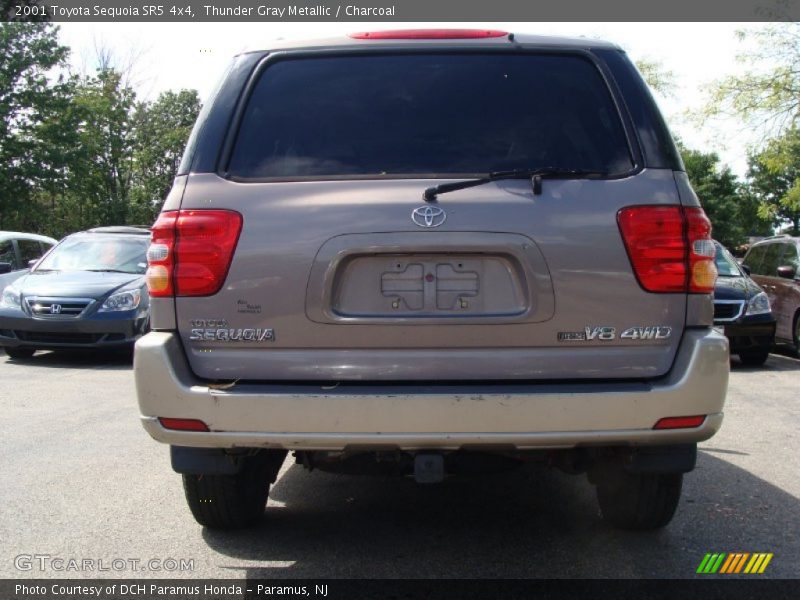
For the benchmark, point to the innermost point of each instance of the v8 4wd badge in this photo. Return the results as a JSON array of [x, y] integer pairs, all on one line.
[[607, 334]]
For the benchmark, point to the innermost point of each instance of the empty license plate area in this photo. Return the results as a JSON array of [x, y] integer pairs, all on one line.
[[473, 278], [430, 286]]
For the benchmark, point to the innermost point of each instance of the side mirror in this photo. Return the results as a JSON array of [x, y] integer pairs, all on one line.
[[787, 271], [746, 269], [5, 268]]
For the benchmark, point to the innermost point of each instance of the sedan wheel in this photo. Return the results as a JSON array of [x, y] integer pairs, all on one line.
[[797, 334]]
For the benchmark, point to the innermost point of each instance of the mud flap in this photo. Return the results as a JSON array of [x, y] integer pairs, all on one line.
[[216, 461], [679, 458]]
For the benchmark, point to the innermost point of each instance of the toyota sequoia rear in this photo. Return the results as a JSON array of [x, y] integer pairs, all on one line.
[[429, 253]]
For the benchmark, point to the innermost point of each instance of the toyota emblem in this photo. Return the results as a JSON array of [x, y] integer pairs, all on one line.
[[428, 216]]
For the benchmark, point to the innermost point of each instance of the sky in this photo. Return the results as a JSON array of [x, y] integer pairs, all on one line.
[[193, 55]]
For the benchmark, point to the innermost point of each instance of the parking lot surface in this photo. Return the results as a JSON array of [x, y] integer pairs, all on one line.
[[82, 480]]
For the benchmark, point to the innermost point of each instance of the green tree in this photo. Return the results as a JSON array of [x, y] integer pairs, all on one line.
[[774, 175], [100, 173], [660, 80], [767, 95], [34, 139], [161, 131], [731, 210]]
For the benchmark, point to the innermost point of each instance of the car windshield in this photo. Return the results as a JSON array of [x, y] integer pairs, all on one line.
[[98, 253], [726, 264]]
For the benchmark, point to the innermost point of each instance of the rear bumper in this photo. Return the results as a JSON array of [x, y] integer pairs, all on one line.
[[412, 417]]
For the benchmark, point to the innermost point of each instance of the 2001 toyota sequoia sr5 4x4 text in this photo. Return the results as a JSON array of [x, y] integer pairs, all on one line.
[[432, 252]]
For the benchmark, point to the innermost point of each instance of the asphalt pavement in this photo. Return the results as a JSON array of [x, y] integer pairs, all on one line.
[[85, 489]]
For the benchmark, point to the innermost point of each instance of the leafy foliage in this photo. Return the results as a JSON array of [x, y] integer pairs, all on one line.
[[733, 211], [161, 130], [774, 175], [660, 80], [767, 95], [80, 152], [34, 143]]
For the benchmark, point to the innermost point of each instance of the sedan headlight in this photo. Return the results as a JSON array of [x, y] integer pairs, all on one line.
[[10, 298], [127, 300], [758, 304]]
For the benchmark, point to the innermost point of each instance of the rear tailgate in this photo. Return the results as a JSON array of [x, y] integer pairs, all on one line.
[[352, 289], [342, 272]]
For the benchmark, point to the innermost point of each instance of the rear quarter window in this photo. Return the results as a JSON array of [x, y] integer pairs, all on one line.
[[791, 257], [7, 254], [29, 250], [428, 115], [772, 260], [754, 258]]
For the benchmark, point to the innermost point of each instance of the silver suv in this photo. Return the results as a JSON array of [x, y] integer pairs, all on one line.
[[427, 253]]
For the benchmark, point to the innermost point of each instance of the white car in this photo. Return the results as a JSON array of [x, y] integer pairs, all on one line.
[[17, 250]]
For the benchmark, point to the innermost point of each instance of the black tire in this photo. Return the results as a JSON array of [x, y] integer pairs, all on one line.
[[232, 501], [20, 353], [754, 359], [639, 501], [796, 339]]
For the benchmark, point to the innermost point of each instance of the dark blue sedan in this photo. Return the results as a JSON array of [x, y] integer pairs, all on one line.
[[87, 292], [742, 311]]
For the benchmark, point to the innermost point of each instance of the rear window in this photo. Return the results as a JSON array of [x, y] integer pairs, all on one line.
[[428, 115]]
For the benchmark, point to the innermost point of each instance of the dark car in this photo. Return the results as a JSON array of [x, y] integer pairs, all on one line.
[[87, 292], [743, 310]]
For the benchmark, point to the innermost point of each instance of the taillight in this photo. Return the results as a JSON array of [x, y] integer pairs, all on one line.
[[428, 34], [669, 247], [702, 268], [191, 252], [161, 256]]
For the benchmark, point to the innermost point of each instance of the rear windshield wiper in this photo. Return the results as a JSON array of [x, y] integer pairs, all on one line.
[[535, 175], [108, 271]]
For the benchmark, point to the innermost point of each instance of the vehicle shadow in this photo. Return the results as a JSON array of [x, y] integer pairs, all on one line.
[[781, 359], [530, 523], [115, 360]]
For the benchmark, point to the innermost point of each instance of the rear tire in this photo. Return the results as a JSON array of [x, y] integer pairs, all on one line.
[[754, 359], [20, 353], [233, 501], [640, 501]]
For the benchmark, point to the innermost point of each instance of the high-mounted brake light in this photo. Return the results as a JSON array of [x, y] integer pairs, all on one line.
[[428, 34], [680, 422], [191, 251], [669, 247]]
